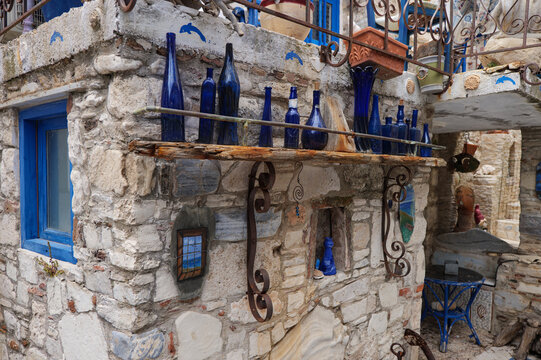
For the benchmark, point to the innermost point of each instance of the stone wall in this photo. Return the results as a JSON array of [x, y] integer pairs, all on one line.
[[530, 220], [121, 299]]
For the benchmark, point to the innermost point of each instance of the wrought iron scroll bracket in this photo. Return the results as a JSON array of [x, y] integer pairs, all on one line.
[[394, 190], [258, 201]]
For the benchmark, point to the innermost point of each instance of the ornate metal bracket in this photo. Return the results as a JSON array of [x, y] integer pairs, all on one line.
[[394, 189], [258, 299], [413, 339]]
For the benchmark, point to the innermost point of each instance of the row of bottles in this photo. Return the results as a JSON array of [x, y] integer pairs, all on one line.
[[403, 129], [228, 90]]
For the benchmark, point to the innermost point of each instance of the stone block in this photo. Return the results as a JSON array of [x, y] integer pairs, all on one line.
[[351, 291], [144, 238], [295, 270], [166, 286], [295, 300], [53, 347], [506, 300], [148, 345], [80, 296], [27, 266], [231, 224], [317, 336], [124, 261], [198, 335], [109, 64], [278, 332], [293, 281], [35, 354], [376, 247], [353, 311], [108, 173], [388, 294], [10, 230], [396, 313], [143, 91], [99, 281], [38, 324], [7, 288], [121, 317], [55, 294], [82, 335], [529, 288], [9, 173], [260, 343], [378, 323], [195, 177], [140, 174], [133, 296]]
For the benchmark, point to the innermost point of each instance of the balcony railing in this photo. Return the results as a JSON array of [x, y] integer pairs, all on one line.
[[459, 31]]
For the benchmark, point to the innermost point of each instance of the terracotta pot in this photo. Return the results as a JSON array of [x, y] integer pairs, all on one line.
[[389, 67], [470, 149], [293, 8]]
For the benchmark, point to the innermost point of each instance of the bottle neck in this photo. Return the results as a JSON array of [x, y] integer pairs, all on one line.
[[210, 72], [414, 118], [171, 46], [268, 94], [229, 53], [425, 127], [316, 99], [388, 121]]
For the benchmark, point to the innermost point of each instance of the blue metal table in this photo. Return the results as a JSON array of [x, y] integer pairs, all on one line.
[[452, 287]]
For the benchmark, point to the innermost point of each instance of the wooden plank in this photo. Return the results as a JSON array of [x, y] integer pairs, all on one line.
[[178, 150]]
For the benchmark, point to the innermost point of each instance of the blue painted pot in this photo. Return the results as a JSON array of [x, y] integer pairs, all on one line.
[[56, 8]]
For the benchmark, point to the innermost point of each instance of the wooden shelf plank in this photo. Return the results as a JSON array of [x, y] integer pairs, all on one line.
[[179, 150]]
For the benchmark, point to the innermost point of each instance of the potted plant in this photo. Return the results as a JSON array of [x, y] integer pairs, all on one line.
[[293, 8], [389, 66]]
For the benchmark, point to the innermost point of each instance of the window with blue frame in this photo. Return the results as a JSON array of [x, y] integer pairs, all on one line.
[[326, 15], [46, 189]]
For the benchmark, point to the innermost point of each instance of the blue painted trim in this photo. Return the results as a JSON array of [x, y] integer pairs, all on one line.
[[33, 123], [335, 22]]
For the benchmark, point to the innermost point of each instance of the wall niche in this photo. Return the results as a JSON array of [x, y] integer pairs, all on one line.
[[332, 221], [187, 224]]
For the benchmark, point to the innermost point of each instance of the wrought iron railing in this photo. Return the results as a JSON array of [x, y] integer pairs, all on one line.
[[458, 34]]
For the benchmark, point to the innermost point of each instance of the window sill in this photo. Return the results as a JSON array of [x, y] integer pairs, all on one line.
[[60, 252]]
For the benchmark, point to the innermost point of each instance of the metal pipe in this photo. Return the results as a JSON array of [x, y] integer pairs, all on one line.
[[159, 109]]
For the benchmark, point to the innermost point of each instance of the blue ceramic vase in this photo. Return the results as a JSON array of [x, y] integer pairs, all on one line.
[[313, 139], [402, 129], [208, 106], [415, 132], [172, 98], [228, 99], [363, 82], [374, 126], [425, 151], [291, 135], [265, 134], [327, 266]]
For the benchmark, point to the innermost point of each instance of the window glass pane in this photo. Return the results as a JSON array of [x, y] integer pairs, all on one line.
[[315, 20], [328, 21], [58, 182]]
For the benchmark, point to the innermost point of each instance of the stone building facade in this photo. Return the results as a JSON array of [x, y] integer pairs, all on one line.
[[121, 300]]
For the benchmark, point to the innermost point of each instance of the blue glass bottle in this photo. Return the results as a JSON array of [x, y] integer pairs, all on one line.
[[386, 131], [291, 135], [394, 134], [265, 134], [172, 98], [208, 106], [402, 129], [415, 132], [228, 99], [313, 139], [425, 151], [327, 265], [374, 126]]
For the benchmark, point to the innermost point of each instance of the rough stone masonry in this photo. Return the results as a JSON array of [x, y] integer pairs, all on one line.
[[121, 300]]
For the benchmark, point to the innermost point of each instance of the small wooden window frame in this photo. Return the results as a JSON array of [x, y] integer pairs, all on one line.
[[181, 234]]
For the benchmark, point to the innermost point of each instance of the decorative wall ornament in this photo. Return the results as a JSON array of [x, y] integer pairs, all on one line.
[[298, 190], [395, 185], [191, 253], [407, 214], [258, 298]]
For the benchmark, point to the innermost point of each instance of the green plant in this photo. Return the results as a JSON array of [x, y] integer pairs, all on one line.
[[51, 267]]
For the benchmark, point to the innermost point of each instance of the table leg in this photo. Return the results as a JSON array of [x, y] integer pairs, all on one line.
[[445, 335]]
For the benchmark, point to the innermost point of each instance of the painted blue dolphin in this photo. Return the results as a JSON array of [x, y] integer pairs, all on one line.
[[56, 35], [188, 28], [293, 55], [504, 79]]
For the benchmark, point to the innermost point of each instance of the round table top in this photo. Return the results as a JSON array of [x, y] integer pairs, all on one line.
[[436, 273]]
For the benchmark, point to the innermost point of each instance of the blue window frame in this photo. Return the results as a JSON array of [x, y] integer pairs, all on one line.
[[326, 15], [46, 190]]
